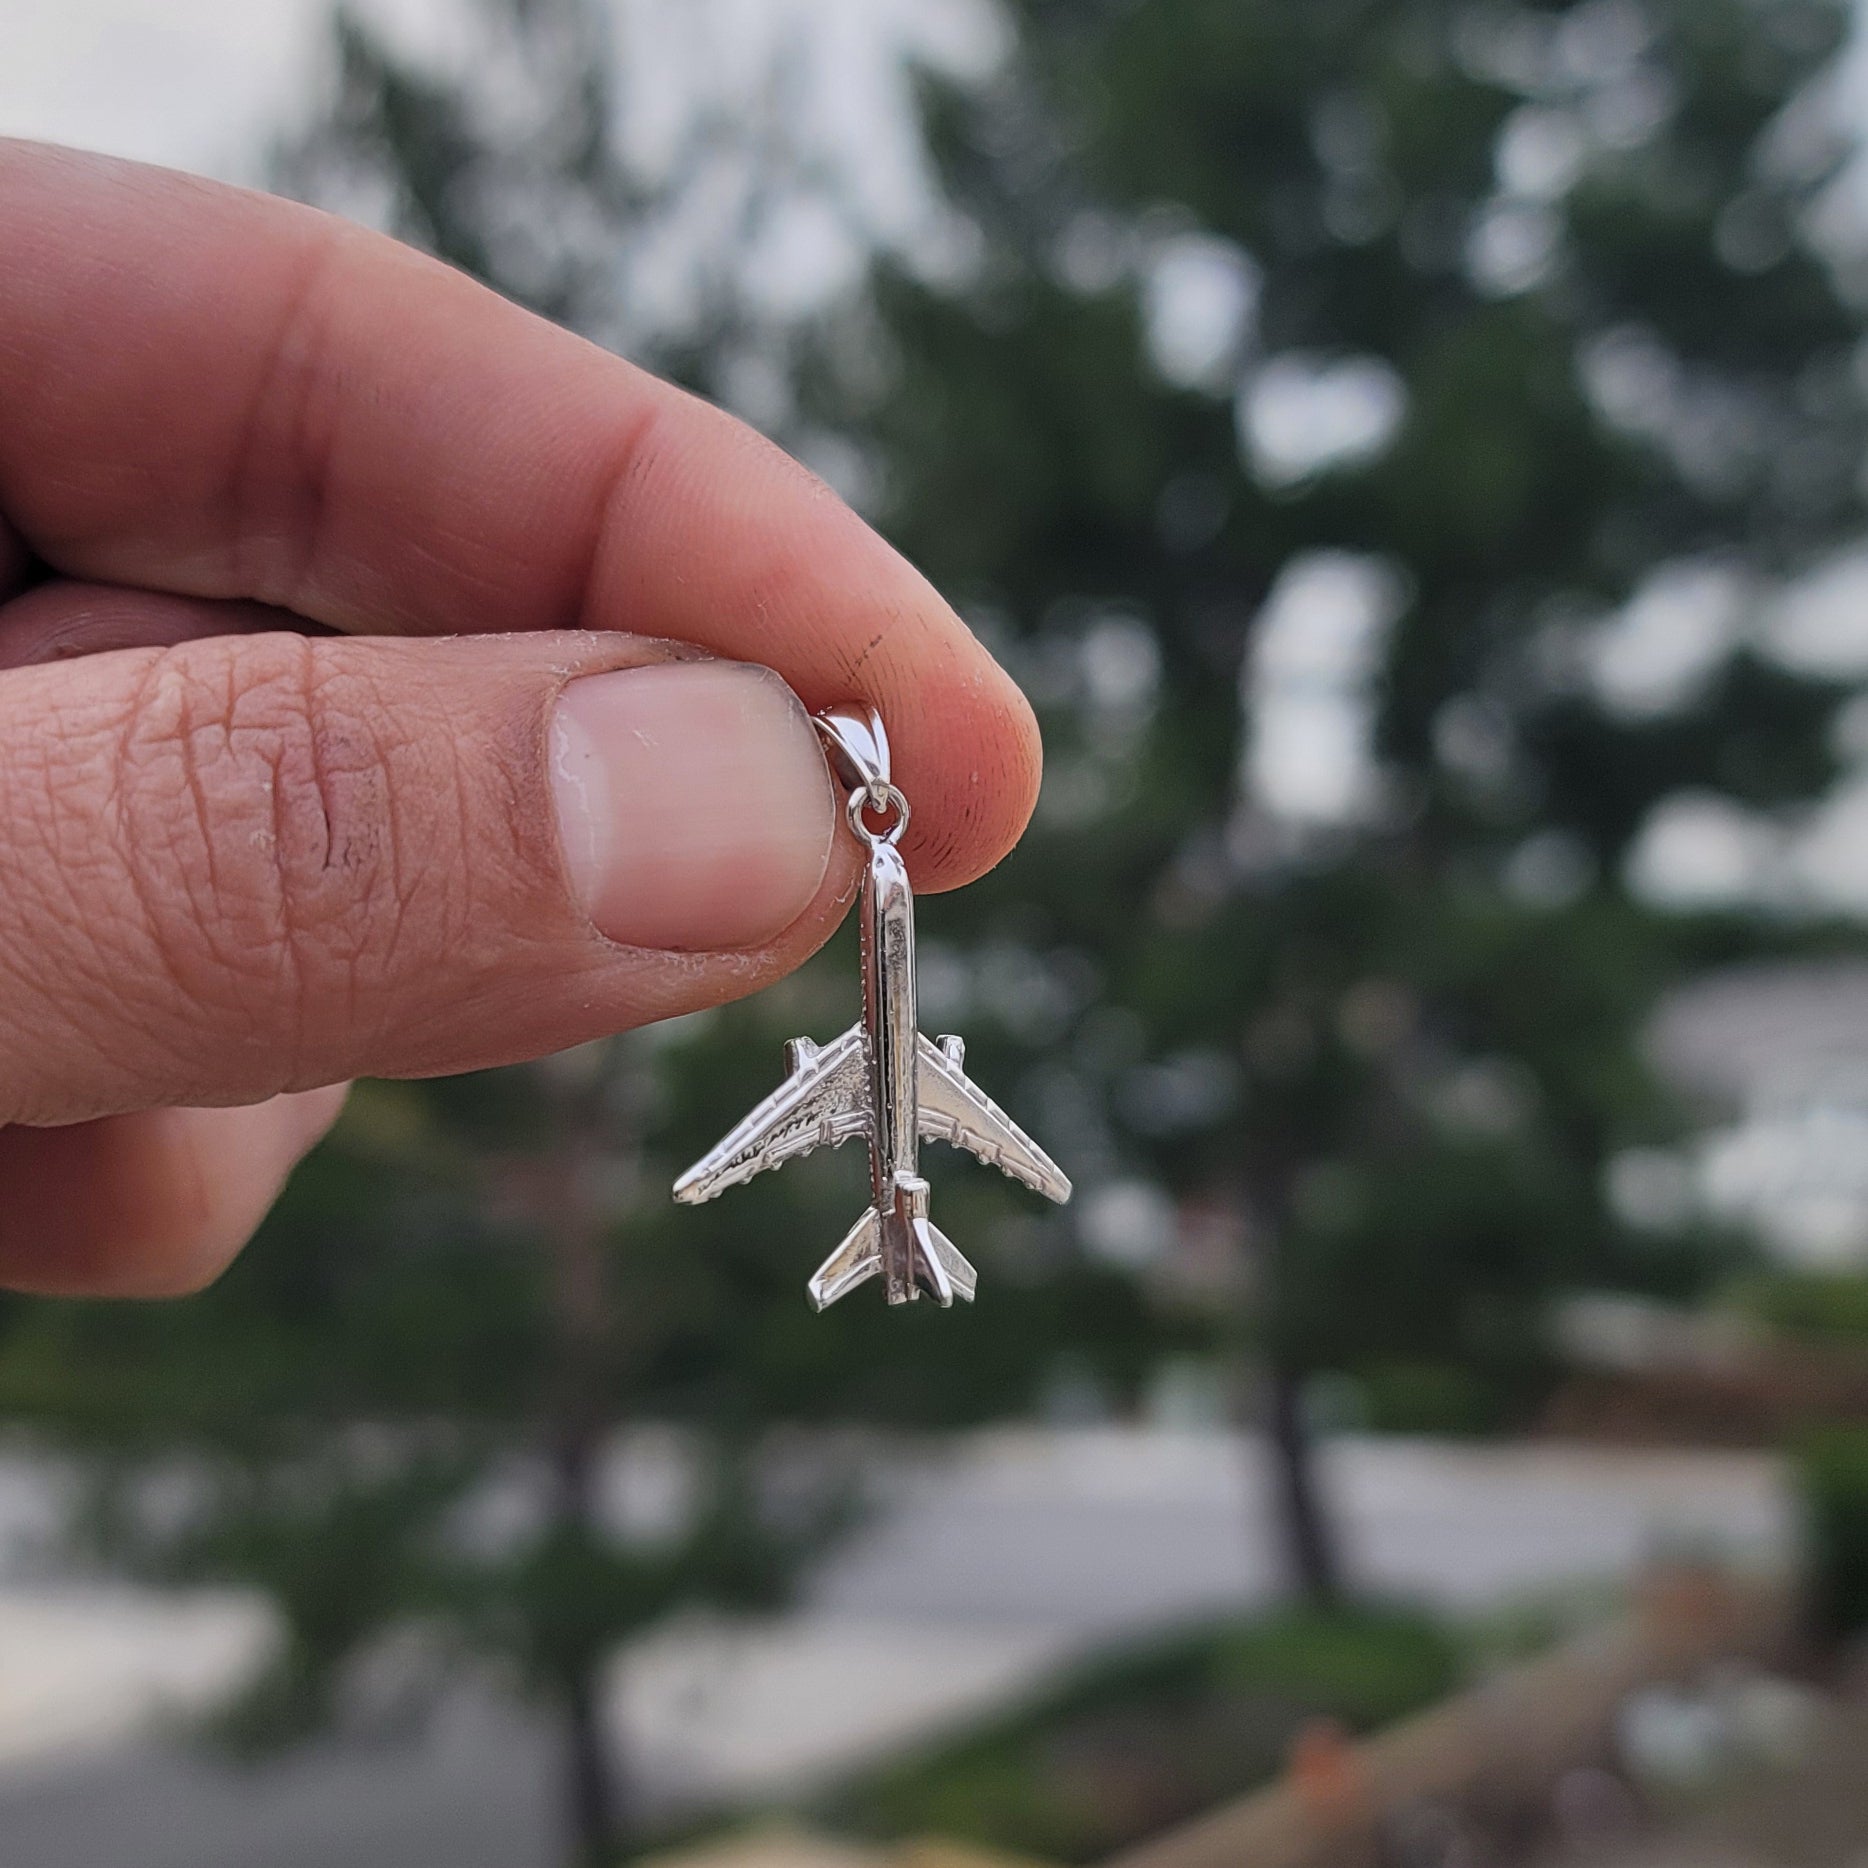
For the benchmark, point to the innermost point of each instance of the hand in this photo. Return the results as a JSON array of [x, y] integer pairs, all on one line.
[[394, 684]]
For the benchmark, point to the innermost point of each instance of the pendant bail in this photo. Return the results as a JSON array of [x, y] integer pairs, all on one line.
[[859, 748]]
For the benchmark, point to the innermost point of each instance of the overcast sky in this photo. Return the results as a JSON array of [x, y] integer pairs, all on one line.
[[201, 84], [196, 83]]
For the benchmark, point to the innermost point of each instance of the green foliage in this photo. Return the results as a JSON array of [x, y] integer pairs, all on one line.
[[1394, 1049], [1146, 1737], [1421, 1049], [1817, 1303], [332, 1424], [1833, 1478], [1442, 1398]]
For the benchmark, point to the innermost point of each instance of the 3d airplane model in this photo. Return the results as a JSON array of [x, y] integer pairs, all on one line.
[[882, 1079]]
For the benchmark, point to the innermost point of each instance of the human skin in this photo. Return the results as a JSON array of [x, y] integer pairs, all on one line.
[[390, 684]]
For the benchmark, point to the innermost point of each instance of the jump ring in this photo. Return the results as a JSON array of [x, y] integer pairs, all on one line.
[[863, 799]]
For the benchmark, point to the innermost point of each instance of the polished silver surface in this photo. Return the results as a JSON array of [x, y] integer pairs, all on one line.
[[858, 747], [882, 1079]]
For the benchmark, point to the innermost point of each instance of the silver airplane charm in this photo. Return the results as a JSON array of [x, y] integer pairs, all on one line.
[[882, 1079]]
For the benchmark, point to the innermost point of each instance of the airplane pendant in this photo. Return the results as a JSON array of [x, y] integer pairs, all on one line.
[[882, 1080]]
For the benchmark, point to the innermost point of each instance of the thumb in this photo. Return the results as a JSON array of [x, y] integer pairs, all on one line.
[[256, 864]]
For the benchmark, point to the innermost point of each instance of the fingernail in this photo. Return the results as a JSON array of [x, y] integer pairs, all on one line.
[[694, 804]]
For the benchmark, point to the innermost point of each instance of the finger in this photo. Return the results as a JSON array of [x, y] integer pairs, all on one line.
[[226, 395], [59, 620], [15, 560], [147, 1205], [262, 863]]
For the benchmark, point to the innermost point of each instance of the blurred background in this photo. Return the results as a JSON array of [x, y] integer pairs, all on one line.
[[1414, 453]]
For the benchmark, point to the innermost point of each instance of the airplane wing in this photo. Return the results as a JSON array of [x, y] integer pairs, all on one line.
[[955, 1109], [825, 1100]]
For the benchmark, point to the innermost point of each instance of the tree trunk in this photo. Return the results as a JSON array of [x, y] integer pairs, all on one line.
[[592, 1787], [579, 1419], [1309, 1537], [1271, 1374]]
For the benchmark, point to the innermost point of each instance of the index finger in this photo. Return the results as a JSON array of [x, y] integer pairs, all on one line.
[[220, 394]]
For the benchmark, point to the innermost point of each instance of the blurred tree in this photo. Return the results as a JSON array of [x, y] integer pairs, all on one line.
[[1377, 433], [398, 1417], [1381, 433]]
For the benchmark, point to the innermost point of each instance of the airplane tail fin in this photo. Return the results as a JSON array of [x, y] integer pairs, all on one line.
[[856, 1260], [937, 1266], [940, 1266]]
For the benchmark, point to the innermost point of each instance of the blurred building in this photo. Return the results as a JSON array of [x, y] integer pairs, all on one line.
[[1780, 1052]]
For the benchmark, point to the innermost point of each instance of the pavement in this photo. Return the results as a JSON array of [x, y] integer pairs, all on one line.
[[984, 1565]]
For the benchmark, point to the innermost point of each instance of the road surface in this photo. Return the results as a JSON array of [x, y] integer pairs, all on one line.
[[981, 1568]]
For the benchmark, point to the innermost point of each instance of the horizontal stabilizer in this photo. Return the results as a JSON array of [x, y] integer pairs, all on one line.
[[856, 1260], [943, 1272]]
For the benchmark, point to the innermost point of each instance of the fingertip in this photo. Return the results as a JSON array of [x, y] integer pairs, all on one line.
[[792, 577], [992, 785], [14, 560], [966, 744]]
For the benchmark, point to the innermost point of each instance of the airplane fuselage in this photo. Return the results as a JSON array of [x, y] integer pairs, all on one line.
[[890, 1028]]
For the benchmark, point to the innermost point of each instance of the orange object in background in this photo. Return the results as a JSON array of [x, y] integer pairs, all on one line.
[[1326, 1774]]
